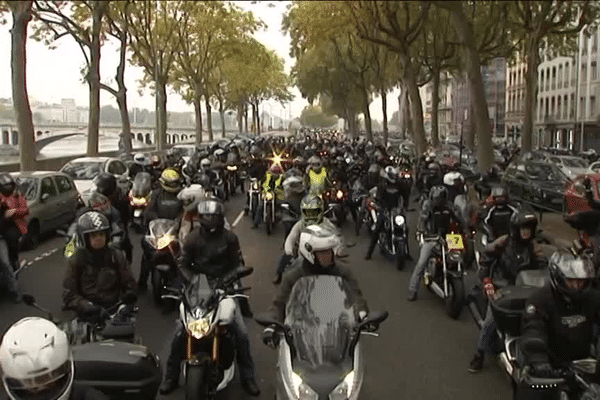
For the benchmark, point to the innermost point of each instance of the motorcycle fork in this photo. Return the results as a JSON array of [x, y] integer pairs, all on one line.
[[445, 271], [215, 346]]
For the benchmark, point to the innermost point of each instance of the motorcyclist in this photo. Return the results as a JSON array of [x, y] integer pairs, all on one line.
[[97, 276], [13, 222], [436, 214], [312, 213], [163, 204], [388, 198], [489, 179], [141, 163], [316, 247], [500, 264], [13, 211], [558, 321], [495, 216], [317, 178], [213, 251], [37, 363], [273, 183]]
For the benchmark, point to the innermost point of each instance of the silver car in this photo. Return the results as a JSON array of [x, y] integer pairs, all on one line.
[[84, 170], [52, 199]]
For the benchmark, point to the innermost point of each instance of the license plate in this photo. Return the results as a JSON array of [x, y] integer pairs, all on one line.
[[137, 213], [455, 242]]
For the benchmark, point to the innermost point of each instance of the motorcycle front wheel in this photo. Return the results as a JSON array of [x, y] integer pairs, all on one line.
[[195, 385], [456, 297], [269, 218], [157, 287]]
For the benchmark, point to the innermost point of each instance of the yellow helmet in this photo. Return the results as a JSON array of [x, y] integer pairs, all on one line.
[[170, 180]]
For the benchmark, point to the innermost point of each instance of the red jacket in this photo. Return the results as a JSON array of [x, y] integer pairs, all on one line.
[[17, 201]]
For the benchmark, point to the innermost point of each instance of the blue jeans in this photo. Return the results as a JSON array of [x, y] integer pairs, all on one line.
[[427, 251], [242, 345], [7, 272], [487, 334], [283, 262]]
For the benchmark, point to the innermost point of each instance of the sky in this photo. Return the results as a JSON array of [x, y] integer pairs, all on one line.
[[53, 75]]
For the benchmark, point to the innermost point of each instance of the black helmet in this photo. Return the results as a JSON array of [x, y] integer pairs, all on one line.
[[7, 184], [520, 219], [493, 171], [390, 174], [211, 215], [99, 202], [92, 222], [500, 195], [438, 195], [571, 276], [312, 209], [106, 184]]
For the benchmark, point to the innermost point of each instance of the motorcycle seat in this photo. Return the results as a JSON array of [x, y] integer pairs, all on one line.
[[114, 331]]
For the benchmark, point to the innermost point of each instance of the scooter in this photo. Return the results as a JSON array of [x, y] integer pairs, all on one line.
[[444, 275], [139, 197], [165, 248], [206, 313], [393, 240], [108, 357], [321, 356]]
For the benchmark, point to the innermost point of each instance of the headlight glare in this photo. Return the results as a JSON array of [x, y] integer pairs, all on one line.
[[199, 328], [164, 241], [344, 389], [399, 220], [269, 196], [302, 390]]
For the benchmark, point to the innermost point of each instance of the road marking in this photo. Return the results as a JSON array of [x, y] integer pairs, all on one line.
[[26, 264], [238, 219]]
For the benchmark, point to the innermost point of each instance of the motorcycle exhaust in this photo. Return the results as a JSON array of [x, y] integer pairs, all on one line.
[[438, 290]]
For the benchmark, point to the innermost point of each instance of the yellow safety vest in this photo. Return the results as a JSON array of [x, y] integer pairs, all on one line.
[[317, 181]]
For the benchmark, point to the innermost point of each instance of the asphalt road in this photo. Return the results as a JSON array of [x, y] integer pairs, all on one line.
[[420, 354]]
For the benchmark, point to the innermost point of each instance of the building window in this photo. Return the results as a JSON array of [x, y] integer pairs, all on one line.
[[565, 107], [558, 114], [547, 78], [582, 111], [552, 109], [560, 75], [592, 106], [542, 81], [583, 73], [594, 71], [547, 106], [553, 78], [566, 74], [595, 43], [572, 108]]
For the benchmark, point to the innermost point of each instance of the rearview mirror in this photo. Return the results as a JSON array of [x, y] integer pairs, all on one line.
[[243, 271], [374, 317], [266, 320], [45, 197]]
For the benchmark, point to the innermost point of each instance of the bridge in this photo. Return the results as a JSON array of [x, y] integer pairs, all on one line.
[[48, 133]]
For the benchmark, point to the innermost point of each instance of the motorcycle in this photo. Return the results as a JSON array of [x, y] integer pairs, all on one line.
[[359, 193], [368, 213], [108, 357], [231, 179], [289, 217], [321, 356], [206, 313], [393, 240], [444, 275], [269, 211], [139, 197], [253, 197], [335, 199], [165, 248]]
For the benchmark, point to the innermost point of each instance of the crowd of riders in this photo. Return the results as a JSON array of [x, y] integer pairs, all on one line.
[[304, 181]]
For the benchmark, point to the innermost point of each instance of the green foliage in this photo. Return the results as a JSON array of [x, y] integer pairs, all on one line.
[[313, 117]]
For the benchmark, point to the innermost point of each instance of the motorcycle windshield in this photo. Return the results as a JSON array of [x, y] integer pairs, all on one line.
[[160, 227], [321, 315], [142, 184], [197, 292]]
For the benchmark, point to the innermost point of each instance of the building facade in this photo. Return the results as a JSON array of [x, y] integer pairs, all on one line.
[[445, 126]]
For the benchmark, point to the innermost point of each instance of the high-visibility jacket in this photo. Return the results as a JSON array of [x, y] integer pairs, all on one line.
[[317, 181], [274, 185]]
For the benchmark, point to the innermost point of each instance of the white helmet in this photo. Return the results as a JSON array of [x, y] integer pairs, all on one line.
[[36, 361], [451, 177], [317, 245], [205, 163], [190, 196], [142, 159]]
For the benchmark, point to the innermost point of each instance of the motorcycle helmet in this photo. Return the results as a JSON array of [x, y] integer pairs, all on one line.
[[219, 154], [438, 195], [521, 219], [434, 168], [7, 184], [105, 183], [211, 214], [170, 180], [155, 161], [390, 174], [36, 361], [312, 209], [276, 169], [493, 171], [141, 159], [92, 222], [205, 164], [317, 245], [190, 196], [99, 202], [571, 276], [500, 195], [315, 163]]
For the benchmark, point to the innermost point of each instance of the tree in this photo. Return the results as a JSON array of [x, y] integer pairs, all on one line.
[[555, 22], [313, 117], [155, 43], [21, 14], [83, 22]]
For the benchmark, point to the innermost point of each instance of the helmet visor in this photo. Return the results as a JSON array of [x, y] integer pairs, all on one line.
[[209, 207], [312, 215], [49, 386], [324, 257]]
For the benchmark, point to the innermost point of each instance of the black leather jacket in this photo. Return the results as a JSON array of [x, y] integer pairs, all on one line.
[[163, 204]]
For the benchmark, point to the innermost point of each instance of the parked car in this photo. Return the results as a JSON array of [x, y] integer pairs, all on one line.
[[594, 168], [570, 165], [186, 150], [52, 200], [538, 183], [84, 170], [575, 199]]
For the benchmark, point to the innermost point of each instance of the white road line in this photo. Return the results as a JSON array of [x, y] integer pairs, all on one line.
[[238, 219]]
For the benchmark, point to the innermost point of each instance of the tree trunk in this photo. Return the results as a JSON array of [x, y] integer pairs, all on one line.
[[161, 113], [240, 116], [403, 110], [532, 59], [222, 114], [21, 13], [246, 117], [257, 120], [416, 106], [93, 77], [209, 119], [435, 138], [383, 93], [485, 155], [471, 128], [122, 95], [198, 113]]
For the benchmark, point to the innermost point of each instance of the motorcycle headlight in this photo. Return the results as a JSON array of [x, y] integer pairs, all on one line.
[[455, 256], [301, 389], [399, 220], [344, 390], [269, 195], [164, 241], [339, 194], [232, 168], [199, 328], [139, 201]]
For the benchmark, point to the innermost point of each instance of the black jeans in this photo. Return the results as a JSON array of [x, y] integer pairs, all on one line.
[[12, 236]]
